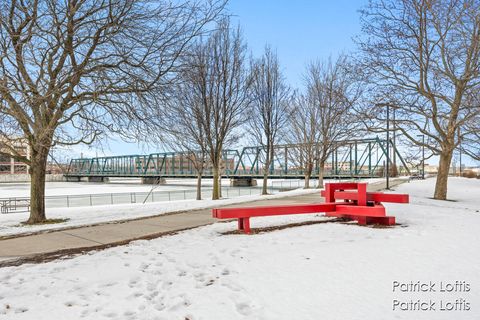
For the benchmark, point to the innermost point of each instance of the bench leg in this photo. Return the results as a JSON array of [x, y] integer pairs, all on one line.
[[361, 220], [244, 224], [240, 223], [385, 221]]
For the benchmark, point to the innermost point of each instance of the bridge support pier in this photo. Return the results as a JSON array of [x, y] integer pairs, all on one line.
[[153, 180], [243, 182], [98, 179], [73, 179]]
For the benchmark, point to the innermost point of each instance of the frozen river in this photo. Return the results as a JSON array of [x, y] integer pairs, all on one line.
[[122, 191]]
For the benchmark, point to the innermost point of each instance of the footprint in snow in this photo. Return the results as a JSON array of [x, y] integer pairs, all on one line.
[[232, 286], [234, 253], [110, 315], [179, 302], [193, 265], [225, 272], [84, 313], [167, 285], [182, 273], [152, 295], [133, 282], [108, 284], [152, 285], [137, 294], [129, 313], [199, 276], [170, 259], [21, 310], [143, 267], [243, 308], [58, 269], [209, 282], [157, 272], [160, 306]]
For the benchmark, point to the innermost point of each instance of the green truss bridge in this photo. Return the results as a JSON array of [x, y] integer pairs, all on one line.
[[353, 158]]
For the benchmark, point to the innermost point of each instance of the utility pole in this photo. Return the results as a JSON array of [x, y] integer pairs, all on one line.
[[423, 155], [387, 165], [394, 144], [460, 150], [388, 148]]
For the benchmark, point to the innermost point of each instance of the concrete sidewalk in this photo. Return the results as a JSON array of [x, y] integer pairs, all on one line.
[[50, 245]]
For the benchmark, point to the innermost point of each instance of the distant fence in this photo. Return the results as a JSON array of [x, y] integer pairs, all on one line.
[[291, 184]]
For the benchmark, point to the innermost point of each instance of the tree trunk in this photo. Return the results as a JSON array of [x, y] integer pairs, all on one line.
[[37, 187], [265, 184], [199, 186], [308, 174], [442, 176], [215, 191], [307, 181], [321, 169], [266, 169]]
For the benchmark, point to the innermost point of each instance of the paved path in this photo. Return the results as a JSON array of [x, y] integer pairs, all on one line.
[[49, 245]]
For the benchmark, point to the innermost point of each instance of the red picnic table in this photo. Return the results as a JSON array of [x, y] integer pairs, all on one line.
[[350, 201]]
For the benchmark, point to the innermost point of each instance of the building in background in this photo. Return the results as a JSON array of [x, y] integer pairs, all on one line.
[[8, 165]]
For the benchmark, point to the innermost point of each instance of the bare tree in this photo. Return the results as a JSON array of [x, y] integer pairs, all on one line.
[[423, 58], [181, 128], [268, 113], [303, 134], [218, 77], [323, 116], [470, 144], [72, 70], [469, 134], [333, 91]]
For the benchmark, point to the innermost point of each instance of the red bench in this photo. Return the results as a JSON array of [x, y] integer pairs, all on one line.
[[356, 204]]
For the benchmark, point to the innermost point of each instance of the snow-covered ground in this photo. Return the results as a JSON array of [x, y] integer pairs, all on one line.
[[321, 271], [10, 224]]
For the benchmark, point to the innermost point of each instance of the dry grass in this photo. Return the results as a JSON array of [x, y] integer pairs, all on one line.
[[281, 227], [48, 221]]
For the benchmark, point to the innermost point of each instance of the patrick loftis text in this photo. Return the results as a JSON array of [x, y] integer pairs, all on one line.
[[430, 286], [430, 305]]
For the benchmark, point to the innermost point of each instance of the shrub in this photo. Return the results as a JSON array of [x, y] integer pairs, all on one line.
[[469, 174]]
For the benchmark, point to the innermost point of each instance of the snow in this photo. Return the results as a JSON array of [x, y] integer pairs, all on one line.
[[320, 271], [10, 190], [77, 188], [10, 224]]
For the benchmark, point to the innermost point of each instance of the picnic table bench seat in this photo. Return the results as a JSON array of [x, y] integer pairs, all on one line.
[[355, 204]]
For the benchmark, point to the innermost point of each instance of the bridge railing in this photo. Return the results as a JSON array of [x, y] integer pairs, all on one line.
[[364, 157]]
